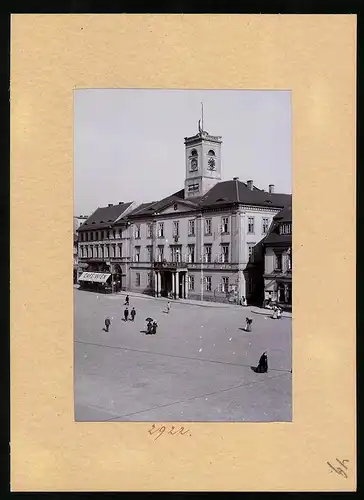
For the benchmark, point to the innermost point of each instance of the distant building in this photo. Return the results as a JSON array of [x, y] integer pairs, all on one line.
[[195, 243], [103, 248], [278, 260], [77, 221]]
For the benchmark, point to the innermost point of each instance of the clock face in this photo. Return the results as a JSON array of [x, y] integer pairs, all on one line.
[[211, 164], [193, 165]]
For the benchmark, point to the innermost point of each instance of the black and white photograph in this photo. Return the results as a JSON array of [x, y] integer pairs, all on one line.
[[182, 276]]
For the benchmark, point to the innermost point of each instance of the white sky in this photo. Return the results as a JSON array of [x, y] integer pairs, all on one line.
[[129, 144]]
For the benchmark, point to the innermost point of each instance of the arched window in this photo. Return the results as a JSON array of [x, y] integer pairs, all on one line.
[[194, 152], [211, 152]]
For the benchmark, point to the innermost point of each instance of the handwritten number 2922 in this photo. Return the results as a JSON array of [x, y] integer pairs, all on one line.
[[162, 429]]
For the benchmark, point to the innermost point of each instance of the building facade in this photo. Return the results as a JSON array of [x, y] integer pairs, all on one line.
[[278, 260], [78, 220], [103, 247], [196, 243]]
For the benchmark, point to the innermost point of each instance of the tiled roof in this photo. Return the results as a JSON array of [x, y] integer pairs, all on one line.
[[223, 193], [151, 208], [141, 208], [284, 215], [235, 191], [274, 237], [104, 217]]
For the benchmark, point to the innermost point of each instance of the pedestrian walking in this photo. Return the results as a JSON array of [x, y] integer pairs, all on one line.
[[279, 313], [168, 306], [107, 324], [248, 324], [126, 314], [133, 314], [275, 312], [126, 300], [154, 327], [262, 365]]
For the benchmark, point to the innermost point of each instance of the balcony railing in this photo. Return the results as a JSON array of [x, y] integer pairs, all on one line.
[[102, 259], [165, 264], [193, 265]]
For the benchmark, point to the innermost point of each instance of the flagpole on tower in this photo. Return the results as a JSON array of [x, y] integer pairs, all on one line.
[[202, 115]]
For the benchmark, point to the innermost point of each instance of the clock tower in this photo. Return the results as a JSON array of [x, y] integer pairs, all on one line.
[[203, 162]]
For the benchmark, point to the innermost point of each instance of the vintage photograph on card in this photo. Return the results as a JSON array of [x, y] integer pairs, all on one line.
[[182, 255]]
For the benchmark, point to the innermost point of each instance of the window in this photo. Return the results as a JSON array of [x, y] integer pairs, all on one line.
[[191, 253], [161, 230], [149, 253], [175, 228], [106, 250], [225, 225], [278, 266], [112, 250], [251, 225], [137, 231], [225, 253], [194, 152], [137, 279], [176, 254], [137, 254], [207, 253], [102, 251], [150, 280], [114, 234], [120, 249], [211, 152], [193, 187], [160, 253], [120, 233], [289, 260], [191, 282], [285, 229], [191, 227], [208, 286], [265, 225], [251, 252], [149, 230], [225, 285], [207, 226]]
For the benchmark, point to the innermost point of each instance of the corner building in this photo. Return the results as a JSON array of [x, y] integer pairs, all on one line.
[[197, 242]]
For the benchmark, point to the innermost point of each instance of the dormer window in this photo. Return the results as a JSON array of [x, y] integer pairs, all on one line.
[[285, 228]]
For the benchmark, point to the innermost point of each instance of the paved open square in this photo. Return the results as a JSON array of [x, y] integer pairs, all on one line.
[[196, 368]]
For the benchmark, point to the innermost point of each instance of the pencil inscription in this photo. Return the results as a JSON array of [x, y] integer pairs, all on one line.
[[339, 470]]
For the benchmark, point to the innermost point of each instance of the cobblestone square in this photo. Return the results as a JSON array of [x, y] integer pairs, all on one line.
[[196, 368]]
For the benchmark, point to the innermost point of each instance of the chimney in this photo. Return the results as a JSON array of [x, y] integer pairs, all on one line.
[[271, 188], [235, 178], [110, 205], [250, 185]]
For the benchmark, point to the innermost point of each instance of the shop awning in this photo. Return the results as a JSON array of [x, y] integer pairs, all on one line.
[[95, 277]]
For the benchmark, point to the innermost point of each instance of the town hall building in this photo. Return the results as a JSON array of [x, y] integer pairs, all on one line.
[[199, 242]]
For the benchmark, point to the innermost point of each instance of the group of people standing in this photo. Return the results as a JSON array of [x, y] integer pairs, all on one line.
[[126, 310], [151, 324]]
